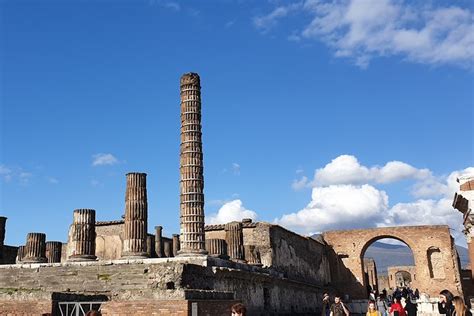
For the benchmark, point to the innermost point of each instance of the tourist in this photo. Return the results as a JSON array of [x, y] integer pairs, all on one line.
[[396, 308], [410, 308], [460, 308], [93, 313], [445, 304], [371, 311], [382, 305], [239, 310], [326, 305], [338, 308]]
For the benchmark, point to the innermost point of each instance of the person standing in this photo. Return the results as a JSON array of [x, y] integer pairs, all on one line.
[[410, 308], [238, 310], [445, 304], [382, 306], [371, 310], [326, 305], [460, 308], [338, 308]]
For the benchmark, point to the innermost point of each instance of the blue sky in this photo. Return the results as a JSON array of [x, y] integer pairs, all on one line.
[[305, 104]]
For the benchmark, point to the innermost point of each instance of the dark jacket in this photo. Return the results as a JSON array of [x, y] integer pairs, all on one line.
[[447, 309]]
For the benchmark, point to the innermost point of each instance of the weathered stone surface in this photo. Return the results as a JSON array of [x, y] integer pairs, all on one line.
[[235, 241], [175, 244], [159, 241], [3, 221], [191, 168], [217, 248]]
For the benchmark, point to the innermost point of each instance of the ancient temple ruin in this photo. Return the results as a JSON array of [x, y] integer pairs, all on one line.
[[122, 268]]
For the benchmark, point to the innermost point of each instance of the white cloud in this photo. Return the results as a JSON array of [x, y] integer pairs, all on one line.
[[104, 159], [6, 173], [364, 29], [266, 22], [300, 184], [346, 169], [231, 211], [236, 168], [338, 206], [52, 180]]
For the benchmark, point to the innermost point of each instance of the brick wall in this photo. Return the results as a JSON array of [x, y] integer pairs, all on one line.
[[25, 308]]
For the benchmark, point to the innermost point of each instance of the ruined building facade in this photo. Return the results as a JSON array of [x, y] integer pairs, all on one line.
[[122, 268]]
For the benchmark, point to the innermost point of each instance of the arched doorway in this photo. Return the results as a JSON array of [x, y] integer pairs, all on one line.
[[386, 261]]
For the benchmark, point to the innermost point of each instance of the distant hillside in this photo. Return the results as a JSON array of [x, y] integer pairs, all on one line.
[[386, 255]]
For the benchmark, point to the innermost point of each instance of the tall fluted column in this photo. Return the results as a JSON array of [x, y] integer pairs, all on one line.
[[136, 217], [35, 251], [83, 235], [20, 254], [235, 241], [217, 248], [159, 241], [3, 221], [53, 251], [175, 244], [191, 168]]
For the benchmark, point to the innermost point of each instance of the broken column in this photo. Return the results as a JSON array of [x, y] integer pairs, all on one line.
[[252, 255], [53, 251], [83, 235], [20, 254], [35, 251], [158, 241], [3, 221], [136, 217], [150, 246], [175, 244], [167, 248], [235, 241], [217, 248], [191, 168]]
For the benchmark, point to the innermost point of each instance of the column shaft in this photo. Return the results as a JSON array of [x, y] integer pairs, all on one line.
[[83, 235], [53, 251], [3, 221], [235, 241], [175, 244], [191, 168], [159, 241], [35, 251], [136, 217], [217, 248]]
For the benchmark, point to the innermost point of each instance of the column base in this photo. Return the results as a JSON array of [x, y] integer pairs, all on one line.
[[75, 258], [192, 252], [135, 255], [34, 260]]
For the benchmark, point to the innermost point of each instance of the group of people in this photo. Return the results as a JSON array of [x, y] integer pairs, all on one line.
[[401, 305]]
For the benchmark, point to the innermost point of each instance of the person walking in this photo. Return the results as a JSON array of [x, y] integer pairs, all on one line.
[[238, 310], [382, 306], [396, 309], [410, 307], [445, 304], [338, 308]]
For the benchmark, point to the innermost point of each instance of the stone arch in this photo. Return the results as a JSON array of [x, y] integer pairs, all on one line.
[[354, 243], [403, 278]]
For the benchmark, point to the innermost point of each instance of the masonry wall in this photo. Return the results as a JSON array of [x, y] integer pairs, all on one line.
[[9, 255]]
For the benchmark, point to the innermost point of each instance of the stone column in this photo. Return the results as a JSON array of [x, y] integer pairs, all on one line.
[[83, 235], [3, 221], [252, 255], [150, 246], [53, 251], [167, 249], [136, 217], [175, 244], [191, 169], [159, 241], [20, 254], [217, 248], [35, 251], [235, 241]]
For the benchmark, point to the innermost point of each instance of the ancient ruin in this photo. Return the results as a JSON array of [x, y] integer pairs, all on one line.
[[122, 269]]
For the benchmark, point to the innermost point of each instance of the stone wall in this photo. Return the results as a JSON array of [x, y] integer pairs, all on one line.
[[392, 274], [9, 255]]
